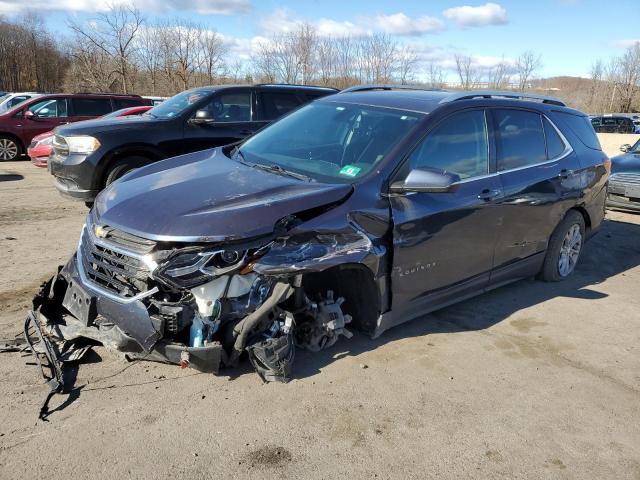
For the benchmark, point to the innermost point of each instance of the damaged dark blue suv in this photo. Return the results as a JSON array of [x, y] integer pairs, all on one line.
[[361, 210]]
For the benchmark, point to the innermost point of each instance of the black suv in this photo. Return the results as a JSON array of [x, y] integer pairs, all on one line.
[[611, 124], [367, 208], [91, 155]]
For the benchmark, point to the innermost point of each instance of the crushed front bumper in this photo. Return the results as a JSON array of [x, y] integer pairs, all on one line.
[[76, 311]]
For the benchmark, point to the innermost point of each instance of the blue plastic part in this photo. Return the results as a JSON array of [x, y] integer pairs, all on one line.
[[195, 333]]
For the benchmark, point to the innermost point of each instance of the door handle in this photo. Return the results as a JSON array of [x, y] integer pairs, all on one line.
[[564, 173], [489, 194]]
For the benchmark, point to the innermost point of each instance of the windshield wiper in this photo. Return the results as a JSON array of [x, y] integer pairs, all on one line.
[[277, 169]]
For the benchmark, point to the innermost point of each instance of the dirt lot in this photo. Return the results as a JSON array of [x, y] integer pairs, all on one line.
[[531, 381]]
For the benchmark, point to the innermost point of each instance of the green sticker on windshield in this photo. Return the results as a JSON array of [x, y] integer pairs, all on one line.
[[350, 171]]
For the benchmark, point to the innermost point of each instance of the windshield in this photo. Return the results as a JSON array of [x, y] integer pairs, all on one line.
[[330, 142], [174, 106]]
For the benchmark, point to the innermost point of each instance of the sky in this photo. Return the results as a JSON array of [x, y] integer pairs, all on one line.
[[569, 34]]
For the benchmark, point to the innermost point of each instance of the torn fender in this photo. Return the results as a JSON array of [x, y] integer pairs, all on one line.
[[314, 252]]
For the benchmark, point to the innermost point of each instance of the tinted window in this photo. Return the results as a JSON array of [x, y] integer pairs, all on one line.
[[519, 139], [555, 145], [121, 103], [52, 108], [91, 107], [458, 145], [581, 126], [230, 107], [276, 104]]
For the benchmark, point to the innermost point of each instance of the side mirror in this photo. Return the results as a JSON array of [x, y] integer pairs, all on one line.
[[625, 148], [202, 117], [428, 180], [29, 115]]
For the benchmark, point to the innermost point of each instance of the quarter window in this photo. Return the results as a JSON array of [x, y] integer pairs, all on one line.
[[458, 145], [555, 145], [519, 139]]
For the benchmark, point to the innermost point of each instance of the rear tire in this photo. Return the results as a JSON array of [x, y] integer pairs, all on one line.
[[10, 149], [123, 166], [564, 249]]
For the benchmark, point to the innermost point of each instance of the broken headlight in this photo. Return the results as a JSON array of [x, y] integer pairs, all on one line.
[[193, 268]]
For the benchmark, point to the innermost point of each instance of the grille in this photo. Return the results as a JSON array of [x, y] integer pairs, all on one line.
[[108, 264], [625, 178]]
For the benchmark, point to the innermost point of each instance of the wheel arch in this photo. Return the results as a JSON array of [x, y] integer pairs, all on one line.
[[355, 282], [585, 215], [110, 159]]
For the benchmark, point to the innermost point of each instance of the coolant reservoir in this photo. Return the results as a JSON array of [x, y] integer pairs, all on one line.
[[207, 294]]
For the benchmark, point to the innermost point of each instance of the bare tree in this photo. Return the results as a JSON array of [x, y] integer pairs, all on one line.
[[434, 75], [407, 60], [526, 65], [628, 78], [212, 52], [113, 32], [467, 72], [150, 54], [498, 75]]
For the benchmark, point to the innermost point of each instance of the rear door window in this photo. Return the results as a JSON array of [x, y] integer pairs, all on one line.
[[90, 107], [458, 144], [273, 105], [519, 138], [230, 107]]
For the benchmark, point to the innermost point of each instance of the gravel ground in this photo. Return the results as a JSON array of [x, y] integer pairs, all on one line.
[[533, 380]]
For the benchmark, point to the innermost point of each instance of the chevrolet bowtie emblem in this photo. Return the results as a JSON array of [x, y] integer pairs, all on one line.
[[100, 231]]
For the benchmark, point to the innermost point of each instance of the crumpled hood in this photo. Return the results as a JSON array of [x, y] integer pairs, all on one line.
[[629, 162], [207, 197]]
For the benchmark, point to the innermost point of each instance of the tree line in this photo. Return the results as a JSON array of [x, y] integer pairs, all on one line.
[[120, 51]]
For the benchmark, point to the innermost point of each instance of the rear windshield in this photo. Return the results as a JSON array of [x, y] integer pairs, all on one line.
[[582, 128]]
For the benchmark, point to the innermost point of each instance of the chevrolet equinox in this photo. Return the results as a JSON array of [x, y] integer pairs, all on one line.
[[362, 210]]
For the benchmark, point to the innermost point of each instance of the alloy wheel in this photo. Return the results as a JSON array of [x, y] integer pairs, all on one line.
[[8, 149], [570, 251]]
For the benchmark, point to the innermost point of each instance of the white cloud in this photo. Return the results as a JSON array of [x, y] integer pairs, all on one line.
[[627, 43], [283, 20], [203, 7], [401, 24], [487, 14]]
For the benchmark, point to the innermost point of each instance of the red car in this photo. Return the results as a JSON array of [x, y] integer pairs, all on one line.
[[42, 145], [41, 114]]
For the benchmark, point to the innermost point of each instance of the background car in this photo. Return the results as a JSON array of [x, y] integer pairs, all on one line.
[[38, 115], [624, 183], [91, 155], [14, 99], [42, 145], [613, 124]]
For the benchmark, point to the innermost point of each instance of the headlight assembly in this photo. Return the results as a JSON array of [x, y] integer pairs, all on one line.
[[82, 144], [190, 269]]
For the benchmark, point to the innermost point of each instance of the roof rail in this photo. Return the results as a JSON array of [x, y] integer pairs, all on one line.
[[493, 94], [367, 88], [293, 85], [107, 94]]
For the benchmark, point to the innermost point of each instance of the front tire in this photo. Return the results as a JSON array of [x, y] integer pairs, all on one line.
[[10, 149], [124, 166], [564, 249]]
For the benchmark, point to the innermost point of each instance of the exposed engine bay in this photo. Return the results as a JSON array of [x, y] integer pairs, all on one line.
[[197, 306]]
